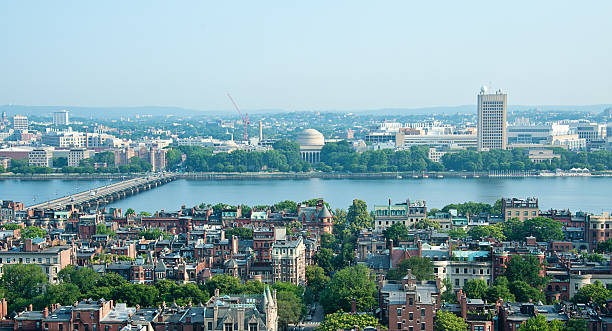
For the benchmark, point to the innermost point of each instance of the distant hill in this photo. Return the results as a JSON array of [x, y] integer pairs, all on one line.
[[117, 112]]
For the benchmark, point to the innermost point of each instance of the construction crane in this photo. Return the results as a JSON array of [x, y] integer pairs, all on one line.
[[245, 118]]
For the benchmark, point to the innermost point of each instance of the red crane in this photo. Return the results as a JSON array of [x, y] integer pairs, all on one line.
[[245, 118]]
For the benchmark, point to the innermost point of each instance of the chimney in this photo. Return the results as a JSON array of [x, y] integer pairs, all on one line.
[[45, 312], [30, 307], [216, 292], [354, 306]]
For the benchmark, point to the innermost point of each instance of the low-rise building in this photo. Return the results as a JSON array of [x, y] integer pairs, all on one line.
[[289, 261], [523, 209], [407, 213]]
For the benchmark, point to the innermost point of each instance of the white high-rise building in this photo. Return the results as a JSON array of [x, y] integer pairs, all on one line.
[[60, 117], [492, 120], [20, 123]]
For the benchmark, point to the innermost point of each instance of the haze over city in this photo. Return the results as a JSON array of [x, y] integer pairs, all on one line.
[[315, 55]]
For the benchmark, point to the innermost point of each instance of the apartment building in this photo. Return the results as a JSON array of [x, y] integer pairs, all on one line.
[[523, 209], [289, 261], [37, 251], [407, 213], [42, 157], [75, 156]]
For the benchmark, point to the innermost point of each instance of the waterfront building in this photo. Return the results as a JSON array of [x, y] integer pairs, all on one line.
[[289, 261], [75, 155], [533, 134], [20, 123], [492, 120], [42, 157], [591, 131], [311, 142], [542, 155], [407, 213], [60, 117], [523, 209]]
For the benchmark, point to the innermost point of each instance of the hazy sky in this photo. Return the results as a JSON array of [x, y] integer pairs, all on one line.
[[303, 55]]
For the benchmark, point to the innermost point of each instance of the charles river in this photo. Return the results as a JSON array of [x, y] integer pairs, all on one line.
[[592, 194]]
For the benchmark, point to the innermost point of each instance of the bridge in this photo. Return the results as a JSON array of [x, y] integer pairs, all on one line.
[[100, 196]]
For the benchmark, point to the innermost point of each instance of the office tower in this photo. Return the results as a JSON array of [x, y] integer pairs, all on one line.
[[60, 117], [260, 132], [20, 123], [491, 120]]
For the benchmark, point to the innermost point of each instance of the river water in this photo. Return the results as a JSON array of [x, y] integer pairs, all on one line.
[[592, 194]]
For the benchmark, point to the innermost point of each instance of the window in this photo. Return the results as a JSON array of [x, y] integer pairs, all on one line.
[[399, 325], [410, 301], [252, 327], [478, 328], [456, 282], [61, 327], [399, 311], [410, 316], [422, 326], [107, 328], [423, 312], [227, 327]]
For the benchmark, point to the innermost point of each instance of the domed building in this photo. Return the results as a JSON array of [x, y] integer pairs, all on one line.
[[311, 141]]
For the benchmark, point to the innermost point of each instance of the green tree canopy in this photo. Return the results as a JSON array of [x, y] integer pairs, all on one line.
[[346, 284], [475, 288], [487, 231], [358, 216], [421, 268], [447, 321], [596, 292], [525, 268], [396, 232], [33, 232], [22, 284], [346, 321]]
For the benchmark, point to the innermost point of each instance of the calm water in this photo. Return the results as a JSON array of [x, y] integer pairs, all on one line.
[[587, 194]]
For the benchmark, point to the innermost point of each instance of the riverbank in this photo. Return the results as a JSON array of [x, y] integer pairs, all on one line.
[[297, 175]]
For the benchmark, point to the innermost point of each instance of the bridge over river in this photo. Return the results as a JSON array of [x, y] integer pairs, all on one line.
[[106, 194]]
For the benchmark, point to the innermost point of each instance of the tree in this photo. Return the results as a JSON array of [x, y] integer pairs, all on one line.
[[475, 288], [358, 216], [427, 224], [316, 280], [487, 231], [33, 232], [84, 278], [499, 290], [350, 283], [596, 292], [523, 292], [604, 246], [525, 268], [225, 283], [346, 321], [324, 258], [22, 283], [289, 308], [539, 323], [64, 294], [448, 295], [421, 268], [102, 229], [576, 325], [447, 321], [457, 234], [514, 230], [396, 232], [544, 229], [287, 205], [130, 211], [241, 233]]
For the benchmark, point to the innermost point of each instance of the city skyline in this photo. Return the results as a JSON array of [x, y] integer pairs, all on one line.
[[302, 57]]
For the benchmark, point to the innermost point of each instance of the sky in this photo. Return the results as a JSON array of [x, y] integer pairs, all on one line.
[[303, 55]]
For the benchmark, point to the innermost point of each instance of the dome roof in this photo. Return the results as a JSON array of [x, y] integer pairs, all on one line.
[[310, 137]]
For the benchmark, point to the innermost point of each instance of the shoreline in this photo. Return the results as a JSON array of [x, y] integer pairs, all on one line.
[[296, 175]]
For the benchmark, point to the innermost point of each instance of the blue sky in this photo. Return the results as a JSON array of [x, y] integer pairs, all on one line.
[[343, 55]]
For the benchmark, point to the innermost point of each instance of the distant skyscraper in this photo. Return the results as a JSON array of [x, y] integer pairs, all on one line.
[[491, 120], [20, 123], [60, 117]]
